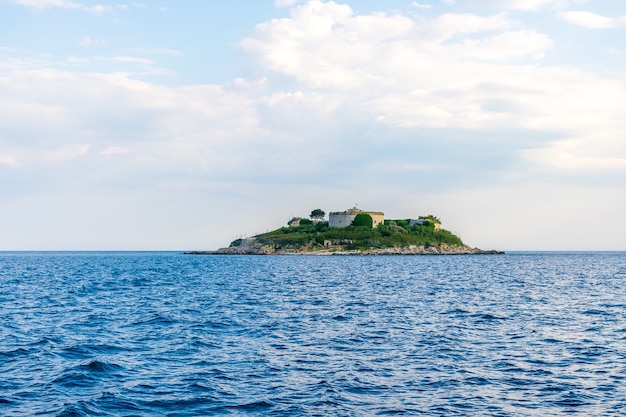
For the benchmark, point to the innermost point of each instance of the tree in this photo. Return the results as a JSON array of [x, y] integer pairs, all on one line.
[[431, 218], [317, 214], [363, 219]]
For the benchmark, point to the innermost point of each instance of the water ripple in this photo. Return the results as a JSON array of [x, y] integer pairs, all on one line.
[[143, 334]]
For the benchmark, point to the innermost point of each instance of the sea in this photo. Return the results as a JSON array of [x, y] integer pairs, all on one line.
[[168, 334]]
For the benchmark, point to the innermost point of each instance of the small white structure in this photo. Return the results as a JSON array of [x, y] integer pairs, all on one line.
[[342, 218], [295, 222], [422, 221], [345, 218]]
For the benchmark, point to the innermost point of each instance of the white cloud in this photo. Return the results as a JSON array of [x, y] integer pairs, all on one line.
[[285, 3], [560, 155], [422, 6], [449, 25], [133, 60], [167, 127], [65, 152], [448, 114], [505, 46], [324, 44], [541, 211], [114, 150], [65, 4], [519, 4], [530, 5], [42, 4], [8, 160], [456, 71], [157, 51], [89, 41], [591, 20]]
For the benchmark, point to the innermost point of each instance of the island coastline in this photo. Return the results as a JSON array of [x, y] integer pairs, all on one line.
[[353, 232]]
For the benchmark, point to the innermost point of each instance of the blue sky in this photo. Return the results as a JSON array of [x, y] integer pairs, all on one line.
[[186, 124]]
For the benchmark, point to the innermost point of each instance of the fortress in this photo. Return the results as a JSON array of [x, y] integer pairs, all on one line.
[[340, 219], [345, 218]]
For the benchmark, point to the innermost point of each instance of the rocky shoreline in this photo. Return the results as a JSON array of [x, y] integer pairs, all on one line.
[[249, 247]]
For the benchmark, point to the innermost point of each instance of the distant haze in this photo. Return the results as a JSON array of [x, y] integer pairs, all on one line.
[[185, 125]]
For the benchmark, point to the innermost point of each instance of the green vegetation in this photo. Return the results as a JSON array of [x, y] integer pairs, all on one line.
[[431, 218], [363, 220], [360, 235], [317, 214]]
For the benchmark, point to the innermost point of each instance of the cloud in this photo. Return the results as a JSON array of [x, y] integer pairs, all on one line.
[[354, 50], [89, 41], [351, 75], [66, 4], [8, 160], [285, 3], [517, 4], [455, 71], [157, 51], [114, 150], [457, 114], [66, 152], [541, 211], [133, 60], [591, 20], [505, 46], [168, 128], [422, 6], [528, 5], [42, 4]]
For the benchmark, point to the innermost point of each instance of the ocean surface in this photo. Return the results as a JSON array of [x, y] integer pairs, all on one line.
[[165, 334]]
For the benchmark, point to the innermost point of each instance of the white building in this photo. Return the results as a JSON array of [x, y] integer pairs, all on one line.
[[345, 218], [422, 222], [295, 222]]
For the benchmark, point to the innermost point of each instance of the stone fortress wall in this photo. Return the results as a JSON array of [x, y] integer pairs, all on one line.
[[345, 218]]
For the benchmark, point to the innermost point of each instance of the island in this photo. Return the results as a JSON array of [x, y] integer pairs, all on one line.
[[353, 232]]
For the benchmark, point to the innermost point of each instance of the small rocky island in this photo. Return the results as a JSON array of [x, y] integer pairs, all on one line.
[[353, 232]]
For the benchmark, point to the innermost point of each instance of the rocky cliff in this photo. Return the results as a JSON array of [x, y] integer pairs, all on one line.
[[251, 246]]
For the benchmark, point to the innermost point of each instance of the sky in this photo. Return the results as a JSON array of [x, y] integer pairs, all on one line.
[[183, 125]]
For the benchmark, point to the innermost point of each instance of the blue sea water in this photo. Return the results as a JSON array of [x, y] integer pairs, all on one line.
[[145, 334]]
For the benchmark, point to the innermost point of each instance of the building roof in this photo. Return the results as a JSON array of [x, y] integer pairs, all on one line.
[[355, 211]]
